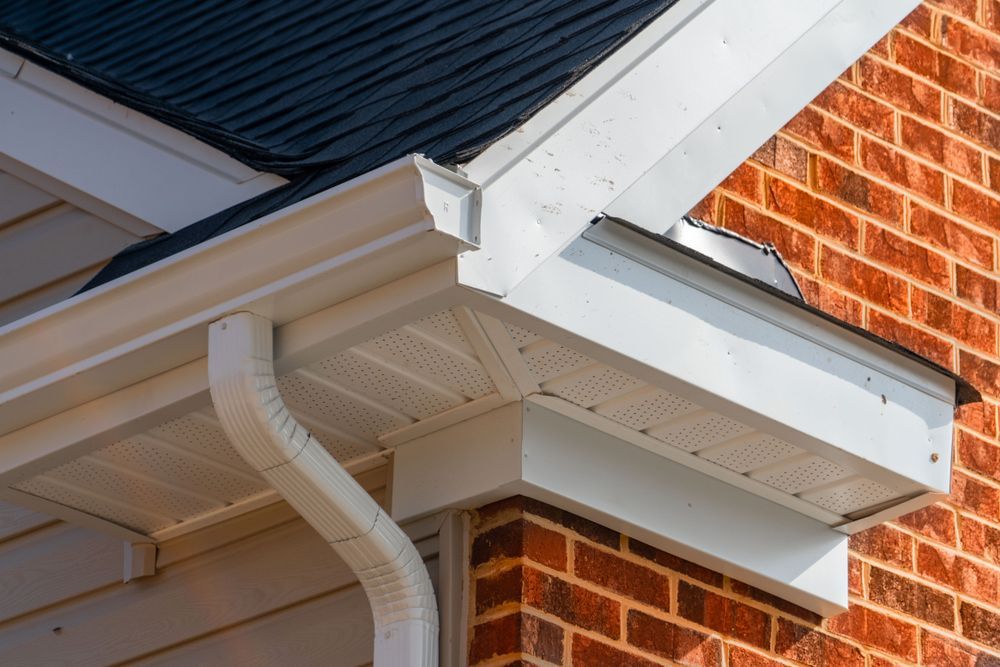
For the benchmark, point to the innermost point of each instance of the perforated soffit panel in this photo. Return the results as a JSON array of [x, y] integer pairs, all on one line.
[[377, 392], [185, 469]]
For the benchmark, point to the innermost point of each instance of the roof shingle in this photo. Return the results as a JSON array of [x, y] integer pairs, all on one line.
[[321, 92]]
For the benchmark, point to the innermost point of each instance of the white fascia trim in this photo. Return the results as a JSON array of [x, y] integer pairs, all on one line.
[[699, 61], [116, 163], [390, 223], [676, 323], [526, 449], [715, 148], [262, 430]]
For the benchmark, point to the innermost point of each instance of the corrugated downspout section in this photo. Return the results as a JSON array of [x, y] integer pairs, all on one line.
[[254, 416]]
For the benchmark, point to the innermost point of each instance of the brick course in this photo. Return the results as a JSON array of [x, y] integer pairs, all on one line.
[[884, 196], [633, 604]]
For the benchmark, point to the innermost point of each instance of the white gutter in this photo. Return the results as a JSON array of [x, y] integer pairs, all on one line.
[[254, 416], [324, 250]]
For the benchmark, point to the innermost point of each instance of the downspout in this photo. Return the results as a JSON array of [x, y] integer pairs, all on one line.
[[254, 416]]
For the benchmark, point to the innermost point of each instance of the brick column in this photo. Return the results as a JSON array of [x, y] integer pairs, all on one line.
[[551, 588]]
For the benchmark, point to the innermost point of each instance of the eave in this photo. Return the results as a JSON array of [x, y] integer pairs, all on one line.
[[537, 308], [286, 265]]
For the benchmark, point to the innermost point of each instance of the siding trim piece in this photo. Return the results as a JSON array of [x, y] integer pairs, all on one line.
[[453, 593]]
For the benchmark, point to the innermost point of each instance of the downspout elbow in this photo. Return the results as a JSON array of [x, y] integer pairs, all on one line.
[[263, 431]]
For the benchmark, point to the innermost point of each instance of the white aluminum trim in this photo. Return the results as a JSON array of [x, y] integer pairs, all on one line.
[[508, 353], [70, 515], [757, 303], [758, 109], [139, 560], [530, 450], [60, 130], [288, 264], [888, 514], [262, 499], [634, 108], [10, 63], [486, 353], [731, 360], [453, 565], [513, 148]]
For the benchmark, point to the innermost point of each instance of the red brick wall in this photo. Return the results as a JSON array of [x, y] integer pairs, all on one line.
[[884, 196]]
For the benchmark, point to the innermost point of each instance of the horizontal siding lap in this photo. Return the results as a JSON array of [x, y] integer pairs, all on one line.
[[263, 590]]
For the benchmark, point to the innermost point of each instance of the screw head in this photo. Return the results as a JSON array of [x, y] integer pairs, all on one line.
[[935, 457]]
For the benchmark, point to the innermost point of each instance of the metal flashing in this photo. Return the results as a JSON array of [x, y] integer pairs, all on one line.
[[760, 261]]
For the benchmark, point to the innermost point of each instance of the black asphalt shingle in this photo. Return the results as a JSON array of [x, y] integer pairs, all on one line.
[[321, 92]]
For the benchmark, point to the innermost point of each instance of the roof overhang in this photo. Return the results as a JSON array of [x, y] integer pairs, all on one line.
[[109, 160], [655, 367], [286, 265], [662, 121], [535, 317]]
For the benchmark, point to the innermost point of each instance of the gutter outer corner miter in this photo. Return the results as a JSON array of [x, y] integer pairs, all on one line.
[[260, 427]]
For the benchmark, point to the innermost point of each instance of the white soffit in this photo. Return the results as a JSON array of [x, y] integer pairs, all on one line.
[[109, 160], [702, 62], [181, 473], [656, 382], [658, 361]]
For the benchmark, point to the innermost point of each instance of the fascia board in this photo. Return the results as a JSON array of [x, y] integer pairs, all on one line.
[[546, 181], [387, 224], [111, 161], [759, 109], [526, 449], [679, 324]]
